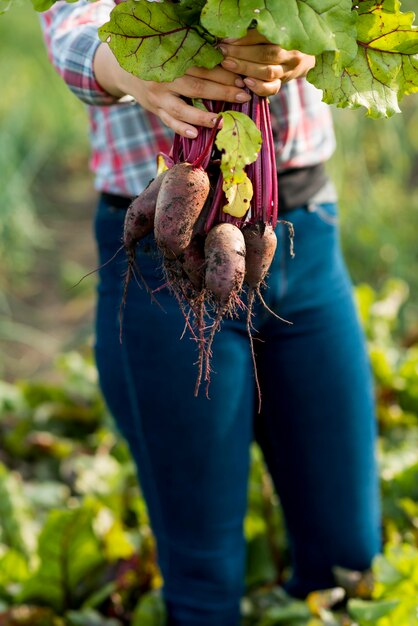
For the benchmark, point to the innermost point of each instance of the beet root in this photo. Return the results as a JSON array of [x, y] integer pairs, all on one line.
[[225, 262], [193, 262], [260, 243], [139, 218], [180, 201]]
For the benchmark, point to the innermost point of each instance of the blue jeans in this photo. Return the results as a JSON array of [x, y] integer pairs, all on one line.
[[316, 428]]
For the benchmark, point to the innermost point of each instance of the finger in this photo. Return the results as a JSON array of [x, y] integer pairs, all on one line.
[[194, 87], [183, 118], [218, 75], [254, 70], [262, 88]]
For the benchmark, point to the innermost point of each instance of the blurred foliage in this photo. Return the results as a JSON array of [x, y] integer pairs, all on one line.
[[42, 137], [76, 547], [376, 171]]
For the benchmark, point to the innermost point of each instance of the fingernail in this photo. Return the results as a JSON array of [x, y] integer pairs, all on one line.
[[229, 64], [243, 97], [191, 133], [214, 120], [239, 83], [222, 49], [249, 82]]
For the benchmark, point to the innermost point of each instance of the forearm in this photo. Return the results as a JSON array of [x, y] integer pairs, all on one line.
[[70, 33], [108, 72]]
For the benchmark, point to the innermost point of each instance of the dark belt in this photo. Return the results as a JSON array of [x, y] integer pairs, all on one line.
[[116, 202], [296, 187]]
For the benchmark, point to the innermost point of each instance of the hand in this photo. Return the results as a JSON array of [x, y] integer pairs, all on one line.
[[264, 65], [166, 99]]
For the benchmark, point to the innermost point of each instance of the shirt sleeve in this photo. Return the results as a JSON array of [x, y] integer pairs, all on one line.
[[71, 37]]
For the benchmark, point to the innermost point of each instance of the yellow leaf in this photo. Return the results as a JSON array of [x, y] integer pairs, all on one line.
[[161, 164], [238, 195]]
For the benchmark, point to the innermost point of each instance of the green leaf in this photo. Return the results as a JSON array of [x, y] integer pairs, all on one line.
[[150, 41], [370, 611], [89, 617], [289, 614], [311, 26], [354, 87], [365, 6], [69, 552], [240, 141], [42, 5], [189, 10], [5, 5], [116, 543], [13, 568], [100, 595], [260, 566], [199, 104], [150, 611], [384, 69], [398, 564], [11, 398], [16, 528]]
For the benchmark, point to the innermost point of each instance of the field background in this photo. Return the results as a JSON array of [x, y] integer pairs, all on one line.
[[46, 374]]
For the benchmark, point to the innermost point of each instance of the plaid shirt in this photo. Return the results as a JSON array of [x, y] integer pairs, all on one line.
[[126, 138]]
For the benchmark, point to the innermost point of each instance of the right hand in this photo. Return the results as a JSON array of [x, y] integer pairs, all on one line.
[[166, 99]]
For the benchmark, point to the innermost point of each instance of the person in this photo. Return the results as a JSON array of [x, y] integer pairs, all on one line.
[[317, 426]]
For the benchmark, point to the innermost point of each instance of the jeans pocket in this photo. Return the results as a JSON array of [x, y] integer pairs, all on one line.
[[326, 212]]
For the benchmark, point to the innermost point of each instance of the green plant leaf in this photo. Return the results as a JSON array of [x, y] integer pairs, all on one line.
[[369, 611], [89, 617], [5, 5], [42, 5], [398, 564], [311, 26], [260, 567], [384, 69], [150, 41], [115, 540], [16, 527], [239, 141], [290, 614], [14, 569], [189, 10], [150, 611], [69, 552]]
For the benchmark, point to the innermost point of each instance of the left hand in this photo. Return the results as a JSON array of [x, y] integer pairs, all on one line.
[[263, 65]]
